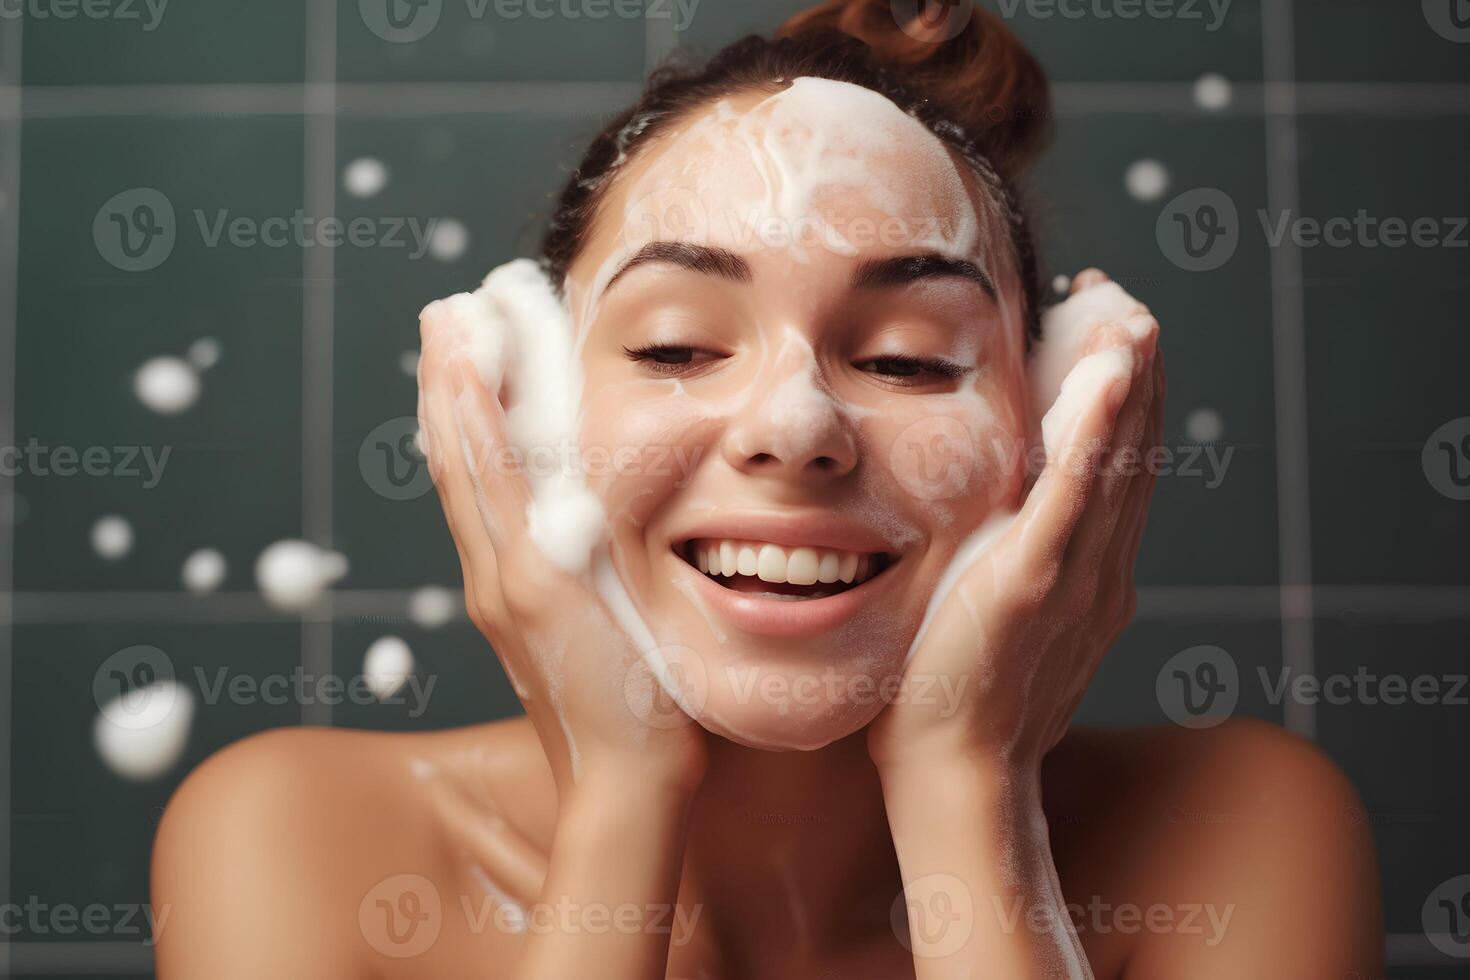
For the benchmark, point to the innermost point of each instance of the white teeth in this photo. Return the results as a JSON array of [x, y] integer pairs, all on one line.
[[773, 563], [801, 567], [728, 562], [828, 567], [772, 566]]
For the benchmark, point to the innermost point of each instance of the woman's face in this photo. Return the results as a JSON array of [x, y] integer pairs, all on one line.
[[804, 387]]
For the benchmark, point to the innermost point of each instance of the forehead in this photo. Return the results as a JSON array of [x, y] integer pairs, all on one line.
[[820, 165]]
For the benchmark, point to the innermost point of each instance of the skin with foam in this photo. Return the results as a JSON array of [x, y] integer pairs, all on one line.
[[790, 174]]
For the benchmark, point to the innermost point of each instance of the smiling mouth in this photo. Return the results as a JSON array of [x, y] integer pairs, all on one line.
[[771, 571]]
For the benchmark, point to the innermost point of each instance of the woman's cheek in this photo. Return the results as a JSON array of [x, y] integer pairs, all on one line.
[[953, 457], [641, 444]]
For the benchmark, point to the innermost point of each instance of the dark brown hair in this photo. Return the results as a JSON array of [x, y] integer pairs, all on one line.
[[980, 92]]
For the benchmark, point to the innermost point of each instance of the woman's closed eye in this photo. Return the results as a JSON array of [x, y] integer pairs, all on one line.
[[908, 370], [671, 359]]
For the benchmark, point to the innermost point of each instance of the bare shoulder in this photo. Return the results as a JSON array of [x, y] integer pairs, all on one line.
[[284, 833], [1244, 841]]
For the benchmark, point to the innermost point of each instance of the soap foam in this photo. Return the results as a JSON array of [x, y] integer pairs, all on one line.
[[519, 337]]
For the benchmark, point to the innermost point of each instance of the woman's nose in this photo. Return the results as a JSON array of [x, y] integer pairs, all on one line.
[[796, 429]]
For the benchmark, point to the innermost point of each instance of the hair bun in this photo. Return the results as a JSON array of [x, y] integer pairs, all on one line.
[[958, 54]]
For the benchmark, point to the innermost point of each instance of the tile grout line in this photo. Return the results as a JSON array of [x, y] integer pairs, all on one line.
[[1288, 360], [598, 98], [319, 179], [10, 63]]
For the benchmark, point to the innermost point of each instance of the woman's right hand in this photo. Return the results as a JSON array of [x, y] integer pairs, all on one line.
[[595, 702]]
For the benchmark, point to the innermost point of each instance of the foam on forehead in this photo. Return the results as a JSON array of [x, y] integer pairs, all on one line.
[[773, 174]]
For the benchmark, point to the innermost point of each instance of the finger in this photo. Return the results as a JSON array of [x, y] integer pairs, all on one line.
[[1085, 278], [456, 493], [1123, 469], [490, 459], [1075, 431], [1123, 554]]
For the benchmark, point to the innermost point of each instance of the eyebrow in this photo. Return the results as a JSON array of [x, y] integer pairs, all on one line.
[[905, 269], [696, 258]]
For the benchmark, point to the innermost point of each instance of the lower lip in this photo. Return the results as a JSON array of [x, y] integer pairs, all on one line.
[[785, 619]]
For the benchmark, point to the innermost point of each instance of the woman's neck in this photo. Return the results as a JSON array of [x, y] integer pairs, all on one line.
[[793, 847]]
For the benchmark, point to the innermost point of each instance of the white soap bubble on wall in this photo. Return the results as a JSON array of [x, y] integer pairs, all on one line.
[[1212, 92], [386, 666], [203, 571], [166, 384], [432, 606], [204, 353], [1204, 425], [141, 733], [449, 239], [1146, 180], [112, 537], [365, 177], [1061, 284], [408, 363], [293, 574]]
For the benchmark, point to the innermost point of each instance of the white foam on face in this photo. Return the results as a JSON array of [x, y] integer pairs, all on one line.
[[1064, 386], [1146, 180], [141, 734], [112, 537], [203, 571], [204, 353], [364, 177], [386, 666], [293, 574], [166, 385], [449, 239], [1212, 92], [514, 327], [766, 177], [432, 606]]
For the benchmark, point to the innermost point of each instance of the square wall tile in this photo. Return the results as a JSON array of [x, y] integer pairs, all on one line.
[[127, 255]]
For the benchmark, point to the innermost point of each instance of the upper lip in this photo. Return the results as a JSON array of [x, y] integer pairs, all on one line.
[[788, 528]]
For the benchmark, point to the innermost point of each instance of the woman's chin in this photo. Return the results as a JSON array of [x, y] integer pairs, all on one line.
[[788, 728]]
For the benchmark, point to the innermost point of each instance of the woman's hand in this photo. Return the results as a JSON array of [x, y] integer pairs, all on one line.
[[1025, 626], [595, 702]]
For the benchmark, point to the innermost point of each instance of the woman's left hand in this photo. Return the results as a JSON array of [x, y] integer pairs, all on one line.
[[1023, 629]]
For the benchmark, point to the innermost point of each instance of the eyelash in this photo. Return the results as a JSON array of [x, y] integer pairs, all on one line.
[[910, 368]]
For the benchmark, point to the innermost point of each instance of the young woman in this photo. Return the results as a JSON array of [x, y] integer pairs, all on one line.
[[826, 734]]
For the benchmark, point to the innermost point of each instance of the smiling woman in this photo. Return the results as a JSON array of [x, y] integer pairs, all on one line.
[[810, 694]]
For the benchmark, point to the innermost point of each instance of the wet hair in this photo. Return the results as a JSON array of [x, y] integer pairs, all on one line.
[[981, 92]]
